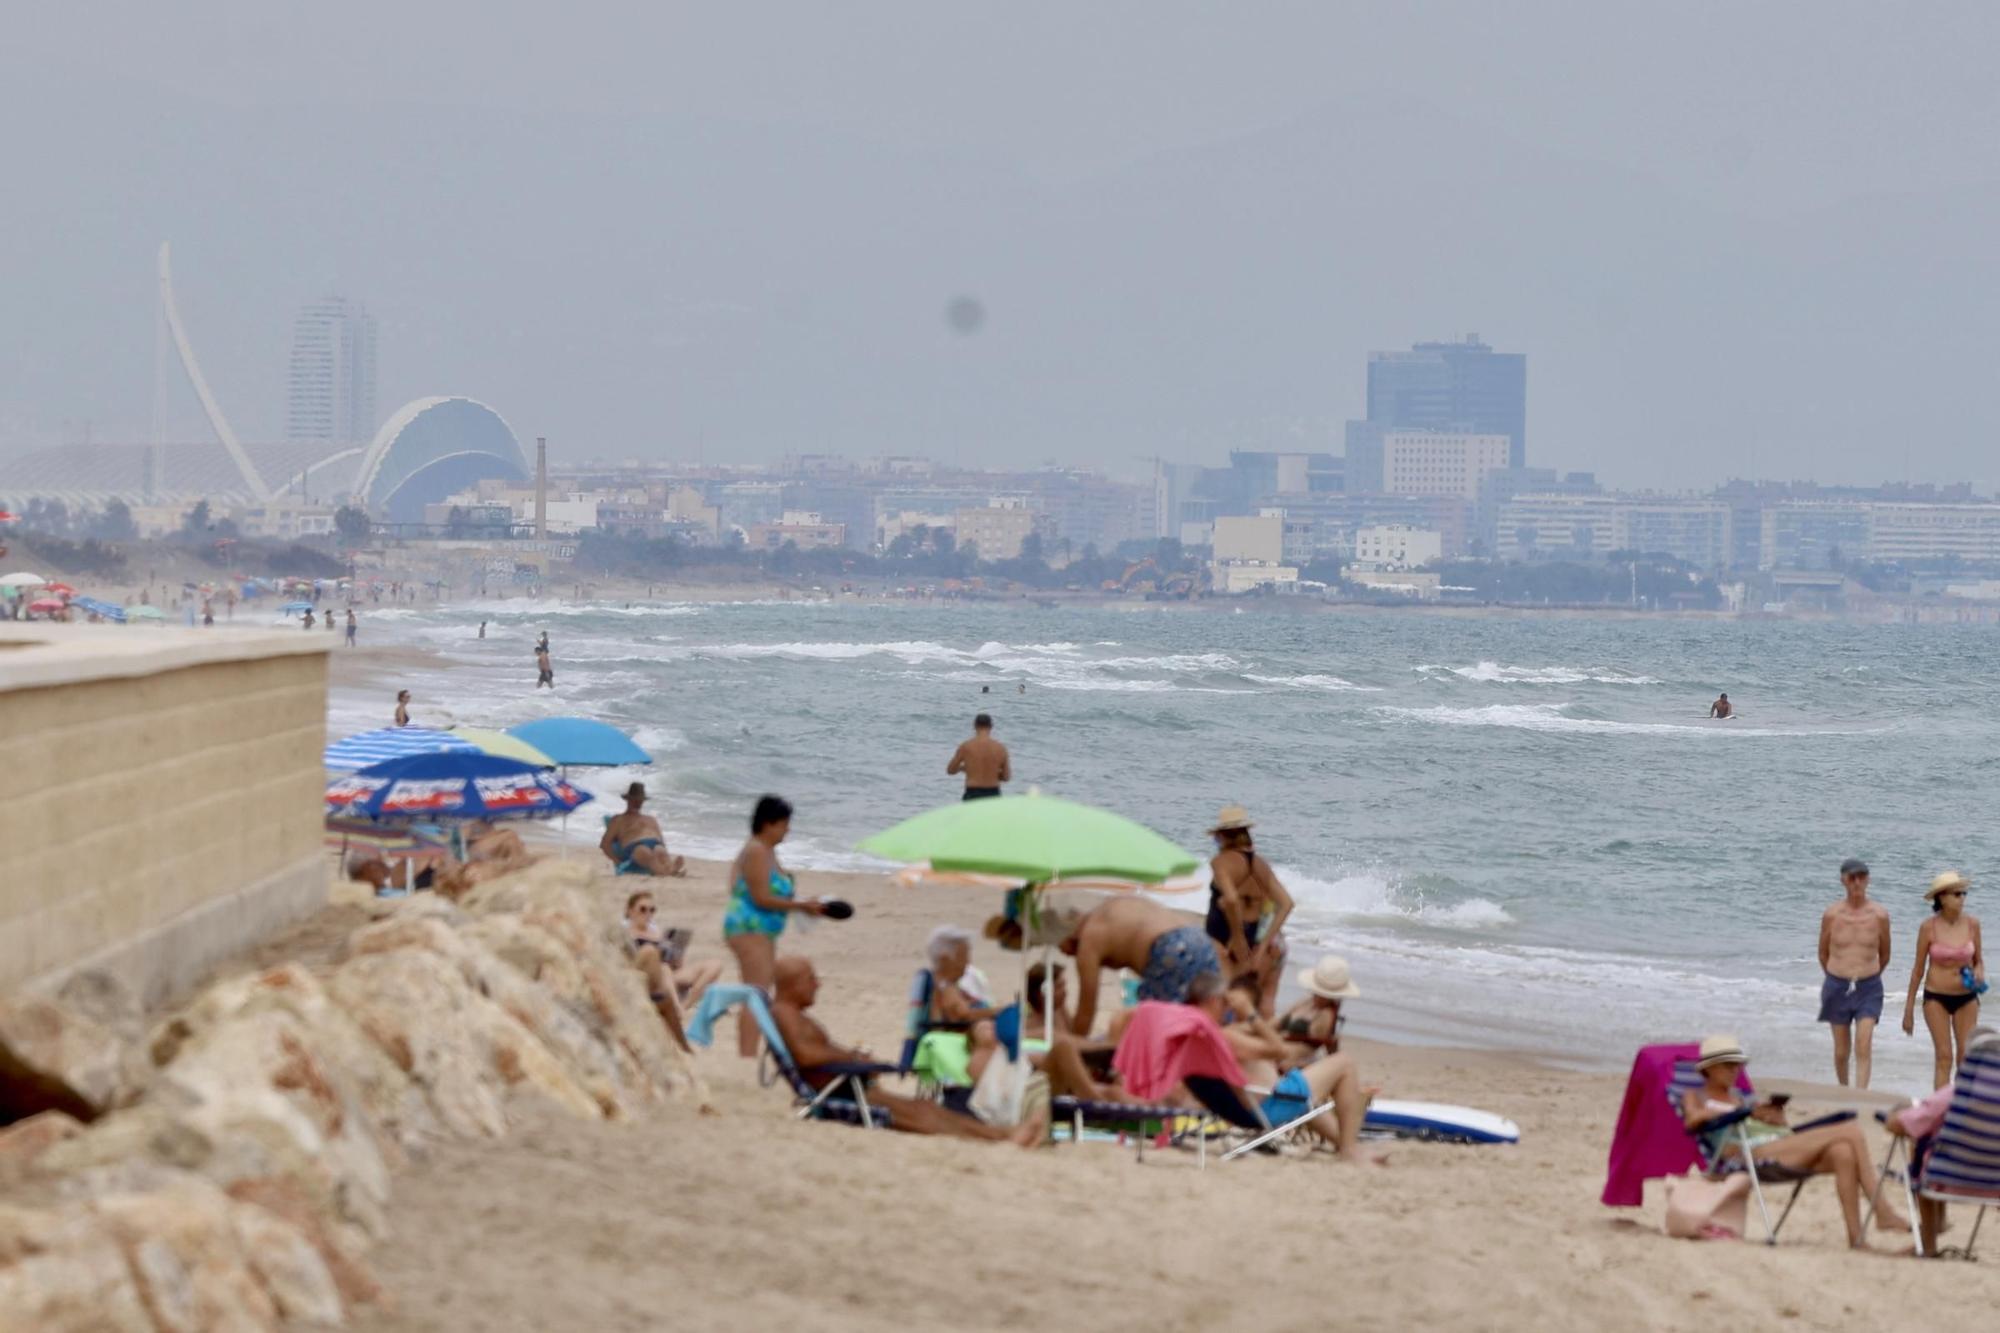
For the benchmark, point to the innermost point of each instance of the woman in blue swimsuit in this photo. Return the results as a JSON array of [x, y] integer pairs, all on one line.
[[760, 897]]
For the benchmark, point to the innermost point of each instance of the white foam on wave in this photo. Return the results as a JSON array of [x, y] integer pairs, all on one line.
[[1550, 717], [1330, 684], [1370, 895], [1493, 673]]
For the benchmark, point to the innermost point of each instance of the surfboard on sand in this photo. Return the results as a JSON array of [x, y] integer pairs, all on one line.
[[1438, 1122]]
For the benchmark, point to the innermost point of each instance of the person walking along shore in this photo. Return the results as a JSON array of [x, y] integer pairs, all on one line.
[[1853, 950]]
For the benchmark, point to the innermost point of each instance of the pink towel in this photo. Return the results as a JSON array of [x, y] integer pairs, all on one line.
[[1650, 1141], [1164, 1043]]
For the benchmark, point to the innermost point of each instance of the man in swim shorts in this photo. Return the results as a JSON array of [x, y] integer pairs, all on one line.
[[982, 759], [1853, 950], [634, 843], [1166, 949]]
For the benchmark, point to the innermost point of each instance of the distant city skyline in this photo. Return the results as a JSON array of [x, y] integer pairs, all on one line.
[[1186, 226]]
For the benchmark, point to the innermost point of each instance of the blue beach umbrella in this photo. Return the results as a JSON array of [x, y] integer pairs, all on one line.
[[581, 742], [373, 747], [451, 786], [93, 606]]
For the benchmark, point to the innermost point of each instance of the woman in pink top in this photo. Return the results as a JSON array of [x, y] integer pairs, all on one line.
[[1951, 968]]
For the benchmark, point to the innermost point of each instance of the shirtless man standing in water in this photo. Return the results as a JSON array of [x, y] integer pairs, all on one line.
[[982, 759], [1853, 950]]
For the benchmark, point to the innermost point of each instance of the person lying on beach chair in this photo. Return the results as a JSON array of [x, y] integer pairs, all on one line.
[[1952, 1140], [663, 953], [821, 1061], [1331, 1082], [1734, 1131], [634, 843]]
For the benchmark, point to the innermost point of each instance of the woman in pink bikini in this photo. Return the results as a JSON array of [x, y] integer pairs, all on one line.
[[1951, 967]]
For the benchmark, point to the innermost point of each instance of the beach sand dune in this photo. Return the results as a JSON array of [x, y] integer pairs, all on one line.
[[752, 1219]]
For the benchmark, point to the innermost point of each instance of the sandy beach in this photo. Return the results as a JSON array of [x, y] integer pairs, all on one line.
[[750, 1218]]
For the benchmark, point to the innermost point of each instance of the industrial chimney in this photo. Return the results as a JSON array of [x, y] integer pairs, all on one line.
[[541, 488]]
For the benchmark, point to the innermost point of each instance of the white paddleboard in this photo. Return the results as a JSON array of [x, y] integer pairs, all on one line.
[[1439, 1121]]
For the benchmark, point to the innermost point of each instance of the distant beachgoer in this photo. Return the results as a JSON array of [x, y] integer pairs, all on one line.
[[1021, 688], [660, 957], [1166, 951], [1853, 950], [1247, 907], [402, 708], [982, 759], [1262, 1050], [330, 626], [1951, 966], [1837, 1150], [350, 627], [207, 612], [545, 671], [797, 986], [482, 629], [634, 843], [760, 897], [309, 618], [1721, 708]]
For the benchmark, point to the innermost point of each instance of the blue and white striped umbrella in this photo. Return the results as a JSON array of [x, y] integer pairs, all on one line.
[[372, 747]]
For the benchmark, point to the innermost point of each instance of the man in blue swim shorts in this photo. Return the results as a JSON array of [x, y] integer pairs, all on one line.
[[1167, 950], [1853, 950]]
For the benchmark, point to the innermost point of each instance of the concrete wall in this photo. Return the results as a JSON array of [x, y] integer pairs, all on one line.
[[160, 797]]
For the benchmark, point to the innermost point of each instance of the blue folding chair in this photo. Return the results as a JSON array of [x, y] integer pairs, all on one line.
[[1961, 1162], [1735, 1154], [845, 1096]]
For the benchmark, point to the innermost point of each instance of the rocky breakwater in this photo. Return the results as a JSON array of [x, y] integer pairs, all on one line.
[[241, 1171]]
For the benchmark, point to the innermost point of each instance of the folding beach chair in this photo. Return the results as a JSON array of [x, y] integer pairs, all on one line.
[[1735, 1154], [1961, 1162], [844, 1098]]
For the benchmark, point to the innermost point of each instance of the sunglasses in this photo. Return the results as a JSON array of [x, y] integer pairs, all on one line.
[[1952, 893], [647, 911]]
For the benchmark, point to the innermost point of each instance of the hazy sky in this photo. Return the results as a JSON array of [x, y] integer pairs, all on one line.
[[1732, 239]]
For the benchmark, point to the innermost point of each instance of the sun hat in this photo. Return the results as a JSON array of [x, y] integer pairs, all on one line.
[[1330, 979], [1231, 818], [636, 789], [1721, 1051], [1945, 883]]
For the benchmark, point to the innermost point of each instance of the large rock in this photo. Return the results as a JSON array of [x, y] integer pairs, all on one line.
[[462, 1049], [85, 1055], [390, 1099], [178, 1255]]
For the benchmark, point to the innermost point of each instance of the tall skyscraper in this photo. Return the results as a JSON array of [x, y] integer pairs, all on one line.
[[1464, 387], [331, 394]]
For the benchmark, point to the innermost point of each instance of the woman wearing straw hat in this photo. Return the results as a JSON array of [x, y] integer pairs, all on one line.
[[1951, 967], [1247, 907], [1839, 1150]]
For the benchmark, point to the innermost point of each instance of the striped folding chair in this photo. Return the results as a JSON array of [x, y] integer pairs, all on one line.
[[1961, 1162]]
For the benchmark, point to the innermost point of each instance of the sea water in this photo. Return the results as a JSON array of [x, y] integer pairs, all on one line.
[[1520, 829]]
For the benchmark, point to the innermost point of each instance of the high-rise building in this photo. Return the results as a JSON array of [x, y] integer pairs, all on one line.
[[1465, 387], [331, 392]]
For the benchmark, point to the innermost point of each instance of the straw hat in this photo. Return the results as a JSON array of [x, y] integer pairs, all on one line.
[[1231, 818], [1330, 979], [1945, 883], [1721, 1051]]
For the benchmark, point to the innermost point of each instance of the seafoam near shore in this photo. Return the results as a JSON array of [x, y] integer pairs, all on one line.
[[1522, 827]]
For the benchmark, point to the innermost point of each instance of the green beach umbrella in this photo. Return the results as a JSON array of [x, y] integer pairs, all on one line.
[[1035, 839], [504, 746]]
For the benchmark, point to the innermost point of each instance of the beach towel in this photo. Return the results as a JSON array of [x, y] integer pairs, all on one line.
[[1165, 1044], [718, 1000], [1650, 1141]]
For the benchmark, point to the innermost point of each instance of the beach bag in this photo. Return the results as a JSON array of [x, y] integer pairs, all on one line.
[[1702, 1209], [1009, 1092]]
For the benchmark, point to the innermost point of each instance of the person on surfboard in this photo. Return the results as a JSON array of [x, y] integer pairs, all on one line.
[[1721, 708]]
